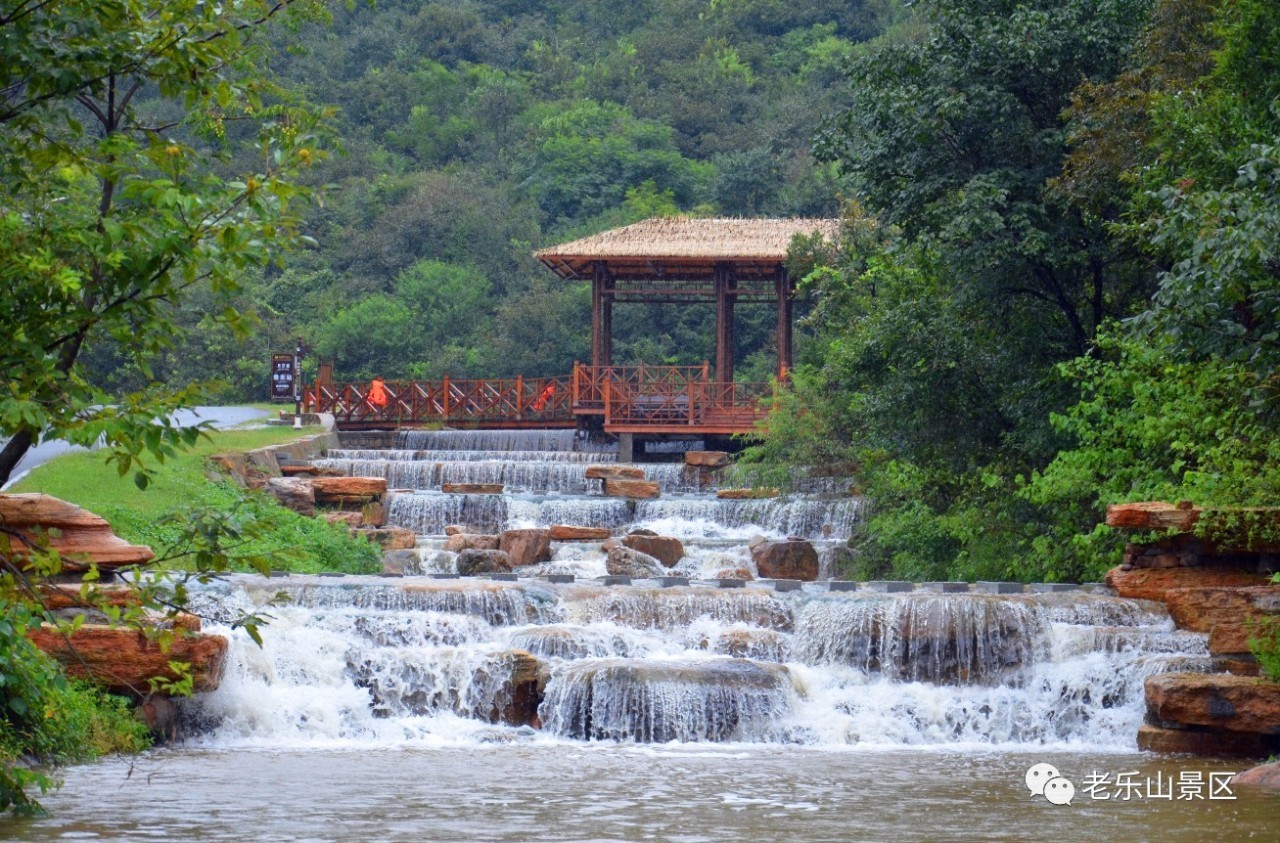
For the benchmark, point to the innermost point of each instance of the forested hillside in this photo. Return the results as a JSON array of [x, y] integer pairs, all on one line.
[[473, 132], [1060, 287]]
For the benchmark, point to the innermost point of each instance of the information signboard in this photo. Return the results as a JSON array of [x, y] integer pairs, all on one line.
[[282, 376]]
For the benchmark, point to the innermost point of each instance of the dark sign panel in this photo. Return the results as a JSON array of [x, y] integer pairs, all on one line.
[[282, 377]]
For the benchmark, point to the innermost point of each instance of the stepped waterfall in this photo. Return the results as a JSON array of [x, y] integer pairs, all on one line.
[[555, 706]]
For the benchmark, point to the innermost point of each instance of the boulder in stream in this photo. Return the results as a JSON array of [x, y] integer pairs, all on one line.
[[627, 562], [786, 560], [475, 561]]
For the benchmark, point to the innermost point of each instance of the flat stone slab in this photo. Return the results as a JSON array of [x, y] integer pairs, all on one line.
[[614, 579], [787, 585], [472, 488], [561, 578], [985, 587], [1052, 587], [502, 577], [945, 587], [446, 576], [1217, 700], [842, 585], [889, 586], [730, 583], [332, 574], [671, 582]]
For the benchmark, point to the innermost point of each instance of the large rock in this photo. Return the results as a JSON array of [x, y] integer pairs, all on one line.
[[401, 562], [1201, 609], [1199, 741], [625, 562], [1222, 701], [793, 559], [706, 459], [294, 493], [526, 547], [79, 536], [1152, 515], [1153, 583], [347, 519], [665, 549], [1264, 776], [471, 562], [389, 538], [125, 659], [569, 533], [614, 472], [348, 490], [459, 542], [631, 489]]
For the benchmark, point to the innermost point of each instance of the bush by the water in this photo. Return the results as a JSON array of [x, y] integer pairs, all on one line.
[[47, 719]]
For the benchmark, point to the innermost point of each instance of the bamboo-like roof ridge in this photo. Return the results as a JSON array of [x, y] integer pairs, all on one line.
[[676, 238]]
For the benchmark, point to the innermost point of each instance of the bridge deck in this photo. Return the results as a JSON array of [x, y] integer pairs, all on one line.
[[631, 399]]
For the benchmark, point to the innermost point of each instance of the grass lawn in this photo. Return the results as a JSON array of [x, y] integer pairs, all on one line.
[[184, 484]]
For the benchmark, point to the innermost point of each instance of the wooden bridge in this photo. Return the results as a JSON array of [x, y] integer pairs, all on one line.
[[628, 399]]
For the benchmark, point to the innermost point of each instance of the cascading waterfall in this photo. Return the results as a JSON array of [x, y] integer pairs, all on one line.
[[417, 659], [552, 473], [367, 659], [499, 440]]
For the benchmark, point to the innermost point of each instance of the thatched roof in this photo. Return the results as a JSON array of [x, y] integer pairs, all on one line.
[[682, 247]]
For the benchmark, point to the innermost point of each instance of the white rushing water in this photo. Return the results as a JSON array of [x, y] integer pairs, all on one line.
[[372, 661]]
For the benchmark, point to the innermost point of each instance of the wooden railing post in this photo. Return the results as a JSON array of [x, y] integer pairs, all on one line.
[[519, 396], [444, 399], [608, 408]]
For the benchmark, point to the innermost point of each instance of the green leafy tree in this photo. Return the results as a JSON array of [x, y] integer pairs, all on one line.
[[115, 120], [122, 194]]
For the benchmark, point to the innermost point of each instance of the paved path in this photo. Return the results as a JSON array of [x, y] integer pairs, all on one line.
[[219, 416]]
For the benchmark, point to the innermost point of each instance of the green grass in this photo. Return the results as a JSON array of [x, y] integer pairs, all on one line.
[[186, 484]]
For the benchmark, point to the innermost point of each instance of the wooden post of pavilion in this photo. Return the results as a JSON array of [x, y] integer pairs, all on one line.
[[601, 316], [785, 294], [725, 300]]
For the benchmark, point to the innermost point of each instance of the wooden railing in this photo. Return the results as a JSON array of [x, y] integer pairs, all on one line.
[[694, 406], [518, 402], [655, 399], [589, 381]]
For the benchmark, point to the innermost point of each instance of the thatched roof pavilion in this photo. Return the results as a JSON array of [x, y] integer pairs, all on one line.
[[687, 260]]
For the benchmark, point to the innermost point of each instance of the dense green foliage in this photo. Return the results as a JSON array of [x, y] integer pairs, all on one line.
[[1031, 173], [477, 131], [126, 186], [47, 719]]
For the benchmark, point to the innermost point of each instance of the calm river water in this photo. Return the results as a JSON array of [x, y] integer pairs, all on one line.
[[544, 792]]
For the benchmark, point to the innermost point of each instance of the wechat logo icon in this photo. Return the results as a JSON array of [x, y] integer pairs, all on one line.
[[1045, 780]]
